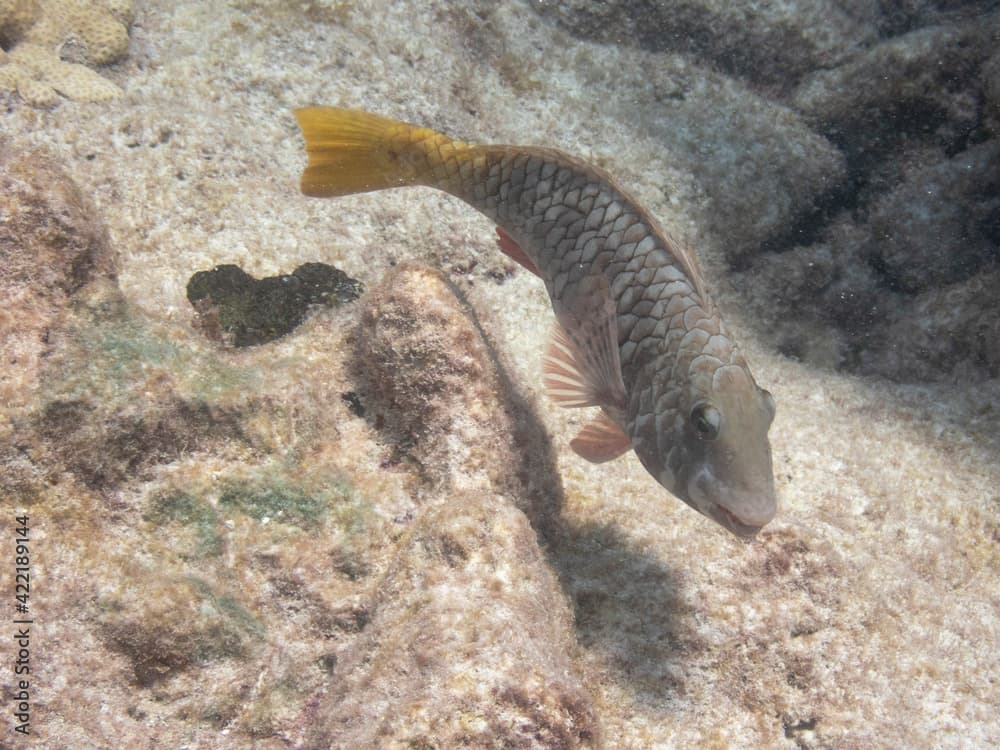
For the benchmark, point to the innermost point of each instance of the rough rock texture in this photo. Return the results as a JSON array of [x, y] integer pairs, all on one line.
[[885, 278], [768, 42], [719, 130], [50, 46], [922, 84], [990, 73], [52, 244], [919, 244], [470, 644], [875, 94], [906, 293], [451, 409], [471, 641]]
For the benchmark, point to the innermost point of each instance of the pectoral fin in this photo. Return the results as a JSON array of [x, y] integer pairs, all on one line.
[[582, 365]]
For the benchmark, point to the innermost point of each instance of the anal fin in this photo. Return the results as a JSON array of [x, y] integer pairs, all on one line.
[[601, 440]]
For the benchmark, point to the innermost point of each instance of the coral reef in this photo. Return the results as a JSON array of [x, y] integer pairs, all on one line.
[[239, 310], [51, 46]]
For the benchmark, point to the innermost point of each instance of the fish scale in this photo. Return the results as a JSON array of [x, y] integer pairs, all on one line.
[[638, 333]]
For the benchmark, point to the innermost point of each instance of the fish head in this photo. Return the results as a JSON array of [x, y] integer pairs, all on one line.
[[723, 462]]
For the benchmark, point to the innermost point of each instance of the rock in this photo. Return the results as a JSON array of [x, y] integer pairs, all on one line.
[[990, 74], [921, 84], [470, 641], [106, 445], [942, 223], [950, 332], [902, 290], [52, 244], [470, 644], [163, 626], [765, 42], [763, 170], [445, 402]]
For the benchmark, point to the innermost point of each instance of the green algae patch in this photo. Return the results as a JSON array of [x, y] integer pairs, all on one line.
[[201, 522], [237, 619], [274, 501], [121, 394], [111, 351]]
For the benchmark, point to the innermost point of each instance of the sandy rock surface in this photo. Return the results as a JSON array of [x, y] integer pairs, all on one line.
[[371, 532]]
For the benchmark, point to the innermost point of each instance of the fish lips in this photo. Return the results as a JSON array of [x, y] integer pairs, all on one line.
[[702, 490], [729, 520]]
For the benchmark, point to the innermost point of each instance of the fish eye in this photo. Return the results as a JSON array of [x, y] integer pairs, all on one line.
[[706, 421]]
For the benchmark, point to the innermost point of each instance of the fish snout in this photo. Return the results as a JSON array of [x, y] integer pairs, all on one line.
[[743, 511]]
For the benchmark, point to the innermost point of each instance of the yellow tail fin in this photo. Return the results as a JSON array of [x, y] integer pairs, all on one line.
[[351, 151]]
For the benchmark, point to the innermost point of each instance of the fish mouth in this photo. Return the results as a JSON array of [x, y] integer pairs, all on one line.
[[732, 522], [700, 500]]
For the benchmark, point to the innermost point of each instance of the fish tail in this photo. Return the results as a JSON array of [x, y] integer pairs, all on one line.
[[351, 151]]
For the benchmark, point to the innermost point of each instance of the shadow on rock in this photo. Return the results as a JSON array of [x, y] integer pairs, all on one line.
[[435, 388], [626, 604]]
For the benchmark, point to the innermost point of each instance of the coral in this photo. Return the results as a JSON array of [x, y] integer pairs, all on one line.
[[16, 17], [239, 310], [53, 44]]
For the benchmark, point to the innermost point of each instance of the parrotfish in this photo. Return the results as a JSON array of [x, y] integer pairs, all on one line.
[[636, 331]]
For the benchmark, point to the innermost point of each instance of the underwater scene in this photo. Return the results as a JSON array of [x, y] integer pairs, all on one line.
[[514, 374]]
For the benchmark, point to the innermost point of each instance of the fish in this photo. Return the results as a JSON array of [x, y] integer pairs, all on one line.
[[636, 332]]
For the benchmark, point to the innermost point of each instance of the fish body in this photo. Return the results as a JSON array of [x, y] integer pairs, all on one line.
[[637, 333]]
